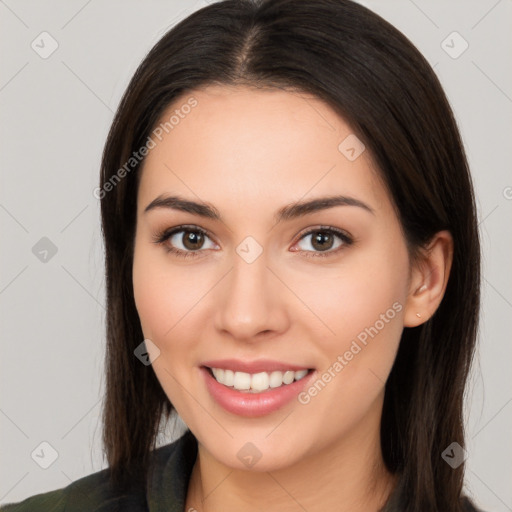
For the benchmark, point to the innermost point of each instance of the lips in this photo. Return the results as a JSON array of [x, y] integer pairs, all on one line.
[[254, 388]]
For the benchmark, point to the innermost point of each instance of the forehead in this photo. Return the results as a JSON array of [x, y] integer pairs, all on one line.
[[247, 143]]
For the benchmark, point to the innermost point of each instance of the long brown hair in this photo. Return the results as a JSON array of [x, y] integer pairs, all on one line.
[[375, 78]]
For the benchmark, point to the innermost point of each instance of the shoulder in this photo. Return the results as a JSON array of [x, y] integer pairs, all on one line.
[[90, 493]]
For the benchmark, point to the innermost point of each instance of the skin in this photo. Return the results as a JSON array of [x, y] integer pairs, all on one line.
[[249, 152]]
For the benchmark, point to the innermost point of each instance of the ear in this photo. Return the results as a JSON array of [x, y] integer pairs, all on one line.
[[429, 277]]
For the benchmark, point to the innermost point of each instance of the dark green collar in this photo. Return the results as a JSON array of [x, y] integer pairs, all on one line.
[[169, 479]]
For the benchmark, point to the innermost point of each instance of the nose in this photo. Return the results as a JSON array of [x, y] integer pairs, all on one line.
[[251, 303]]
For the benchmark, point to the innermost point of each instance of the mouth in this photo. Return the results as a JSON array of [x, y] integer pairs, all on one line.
[[260, 382], [257, 388]]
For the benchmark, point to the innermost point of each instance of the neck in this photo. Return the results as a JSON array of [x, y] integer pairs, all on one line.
[[348, 475]]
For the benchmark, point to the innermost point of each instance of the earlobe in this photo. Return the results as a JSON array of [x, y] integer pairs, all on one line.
[[429, 278]]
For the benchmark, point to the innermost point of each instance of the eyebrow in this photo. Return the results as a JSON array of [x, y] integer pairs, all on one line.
[[287, 212]]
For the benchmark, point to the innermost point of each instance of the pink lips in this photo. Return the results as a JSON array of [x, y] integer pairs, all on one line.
[[253, 404]]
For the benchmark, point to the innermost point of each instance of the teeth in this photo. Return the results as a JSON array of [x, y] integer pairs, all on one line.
[[260, 381], [276, 379], [229, 377], [242, 380], [256, 382], [218, 373], [288, 377]]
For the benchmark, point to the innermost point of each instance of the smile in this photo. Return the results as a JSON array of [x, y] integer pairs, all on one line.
[[256, 382], [255, 388]]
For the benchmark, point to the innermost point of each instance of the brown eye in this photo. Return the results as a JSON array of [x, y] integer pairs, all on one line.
[[192, 240], [325, 241], [322, 241], [184, 241]]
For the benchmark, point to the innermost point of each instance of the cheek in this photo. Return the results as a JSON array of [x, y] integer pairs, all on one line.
[[362, 306], [356, 295], [167, 297], [148, 296], [163, 297], [373, 300], [152, 289]]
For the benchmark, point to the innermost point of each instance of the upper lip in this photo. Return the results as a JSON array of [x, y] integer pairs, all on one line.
[[261, 365]]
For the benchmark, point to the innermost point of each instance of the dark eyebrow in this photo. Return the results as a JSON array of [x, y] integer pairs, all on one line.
[[290, 211], [184, 205], [302, 208]]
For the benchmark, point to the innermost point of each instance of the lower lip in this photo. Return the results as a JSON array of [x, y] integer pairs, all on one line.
[[253, 404]]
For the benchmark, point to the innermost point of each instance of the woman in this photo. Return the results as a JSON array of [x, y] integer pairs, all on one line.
[[292, 264]]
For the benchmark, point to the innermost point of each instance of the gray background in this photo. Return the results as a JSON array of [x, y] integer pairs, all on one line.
[[55, 115]]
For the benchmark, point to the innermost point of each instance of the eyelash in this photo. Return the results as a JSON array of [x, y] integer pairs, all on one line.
[[162, 237]]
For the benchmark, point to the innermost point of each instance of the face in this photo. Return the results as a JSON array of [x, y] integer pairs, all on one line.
[[299, 310]]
